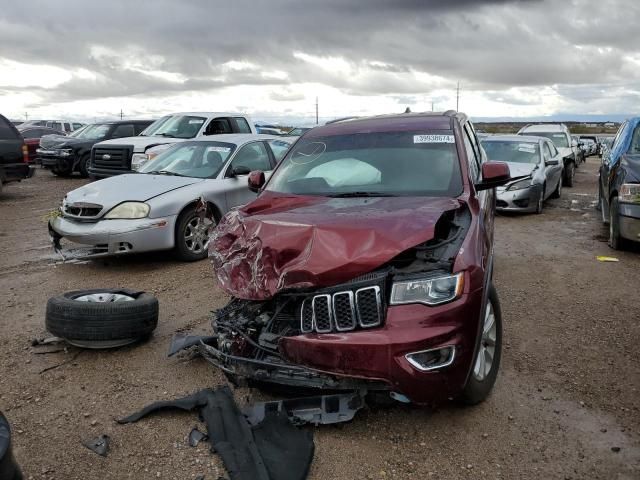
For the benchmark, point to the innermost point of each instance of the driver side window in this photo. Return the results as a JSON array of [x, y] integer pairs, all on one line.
[[253, 156]]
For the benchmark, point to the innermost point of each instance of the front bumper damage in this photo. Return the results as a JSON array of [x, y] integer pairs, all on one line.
[[111, 237], [522, 200]]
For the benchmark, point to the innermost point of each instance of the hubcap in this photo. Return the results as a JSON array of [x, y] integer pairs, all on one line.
[[487, 349], [196, 235], [105, 297]]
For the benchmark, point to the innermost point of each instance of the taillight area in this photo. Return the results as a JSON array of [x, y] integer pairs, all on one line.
[[25, 153]]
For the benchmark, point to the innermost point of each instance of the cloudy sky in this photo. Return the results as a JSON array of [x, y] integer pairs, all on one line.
[[272, 58]]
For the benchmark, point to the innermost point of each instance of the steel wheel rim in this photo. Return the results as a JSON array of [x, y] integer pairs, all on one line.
[[105, 297], [196, 235], [487, 349]]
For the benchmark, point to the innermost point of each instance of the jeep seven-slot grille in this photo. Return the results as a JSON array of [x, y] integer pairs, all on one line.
[[342, 311], [113, 158]]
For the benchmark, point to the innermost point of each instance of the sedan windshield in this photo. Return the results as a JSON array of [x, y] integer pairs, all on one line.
[[371, 164], [512, 151], [92, 132], [558, 139], [180, 126], [191, 159]]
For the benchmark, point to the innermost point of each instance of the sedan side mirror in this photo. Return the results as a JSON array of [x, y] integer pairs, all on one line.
[[240, 170], [256, 180], [494, 174], [551, 162], [574, 143]]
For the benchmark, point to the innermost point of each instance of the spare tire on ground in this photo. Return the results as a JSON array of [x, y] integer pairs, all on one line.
[[102, 318], [8, 467]]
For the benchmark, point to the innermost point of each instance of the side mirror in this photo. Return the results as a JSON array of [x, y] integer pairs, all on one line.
[[494, 174], [574, 143], [551, 162], [256, 180], [240, 170]]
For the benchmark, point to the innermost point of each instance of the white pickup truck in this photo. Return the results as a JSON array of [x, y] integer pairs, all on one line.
[[124, 155]]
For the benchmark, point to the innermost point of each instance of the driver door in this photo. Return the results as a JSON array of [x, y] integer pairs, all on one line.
[[253, 156]]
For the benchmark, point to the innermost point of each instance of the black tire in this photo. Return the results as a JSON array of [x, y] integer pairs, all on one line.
[[540, 201], [83, 166], [557, 193], [476, 391], [569, 174], [9, 469], [615, 240], [64, 170], [102, 324], [183, 248]]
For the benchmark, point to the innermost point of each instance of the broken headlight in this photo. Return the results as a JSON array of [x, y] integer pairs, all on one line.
[[520, 184], [630, 192], [430, 291], [128, 210]]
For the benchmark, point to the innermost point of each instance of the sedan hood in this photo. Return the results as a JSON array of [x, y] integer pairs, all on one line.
[[520, 169], [136, 187], [565, 152], [282, 242], [140, 144]]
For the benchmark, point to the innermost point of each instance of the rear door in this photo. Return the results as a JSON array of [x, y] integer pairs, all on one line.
[[10, 143], [252, 156]]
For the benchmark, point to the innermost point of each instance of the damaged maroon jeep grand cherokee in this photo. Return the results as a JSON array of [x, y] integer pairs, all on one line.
[[366, 263]]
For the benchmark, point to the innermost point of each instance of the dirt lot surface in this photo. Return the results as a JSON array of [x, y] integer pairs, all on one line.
[[566, 404]]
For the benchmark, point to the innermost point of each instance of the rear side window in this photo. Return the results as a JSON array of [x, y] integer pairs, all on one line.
[[241, 125], [7, 131], [124, 130]]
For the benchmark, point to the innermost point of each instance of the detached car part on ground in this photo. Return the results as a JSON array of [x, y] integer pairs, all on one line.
[[619, 186], [561, 138], [537, 164], [157, 209], [366, 263]]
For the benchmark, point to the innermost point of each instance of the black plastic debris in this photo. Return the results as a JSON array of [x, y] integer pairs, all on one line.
[[271, 450], [182, 342], [9, 469], [99, 445], [196, 436]]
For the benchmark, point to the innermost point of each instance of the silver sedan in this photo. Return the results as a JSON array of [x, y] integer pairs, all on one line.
[[536, 166], [160, 208]]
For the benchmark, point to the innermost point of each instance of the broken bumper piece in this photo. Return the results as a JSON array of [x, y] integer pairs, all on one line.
[[111, 237]]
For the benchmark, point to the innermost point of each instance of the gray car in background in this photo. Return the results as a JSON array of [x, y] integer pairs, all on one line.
[[536, 166], [157, 208]]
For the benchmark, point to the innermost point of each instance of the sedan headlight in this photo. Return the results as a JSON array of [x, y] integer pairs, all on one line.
[[430, 291], [137, 160], [630, 192], [520, 184], [128, 210]]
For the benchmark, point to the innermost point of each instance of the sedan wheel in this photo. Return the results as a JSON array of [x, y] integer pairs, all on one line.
[[540, 203], [192, 235], [487, 349], [196, 236]]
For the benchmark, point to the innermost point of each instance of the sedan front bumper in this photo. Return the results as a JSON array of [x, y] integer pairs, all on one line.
[[112, 237], [523, 200]]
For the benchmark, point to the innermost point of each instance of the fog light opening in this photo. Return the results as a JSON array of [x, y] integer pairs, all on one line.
[[434, 359]]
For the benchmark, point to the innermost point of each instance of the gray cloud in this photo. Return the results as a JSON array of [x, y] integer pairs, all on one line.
[[487, 45]]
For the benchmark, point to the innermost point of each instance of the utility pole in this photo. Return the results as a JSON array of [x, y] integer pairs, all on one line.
[[121, 114], [458, 98], [26, 116], [432, 106], [316, 110]]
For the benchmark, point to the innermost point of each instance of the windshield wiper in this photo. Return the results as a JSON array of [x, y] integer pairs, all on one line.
[[361, 194], [165, 135], [164, 172]]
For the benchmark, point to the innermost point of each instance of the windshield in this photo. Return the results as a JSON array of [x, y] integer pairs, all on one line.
[[92, 132], [179, 126], [371, 164], [79, 131], [558, 139], [191, 159], [512, 151]]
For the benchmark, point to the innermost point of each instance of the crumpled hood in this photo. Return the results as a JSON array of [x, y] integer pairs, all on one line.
[[280, 242], [140, 144], [59, 141], [517, 169], [137, 187]]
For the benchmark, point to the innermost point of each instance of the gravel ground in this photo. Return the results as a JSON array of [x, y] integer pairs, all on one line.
[[565, 406]]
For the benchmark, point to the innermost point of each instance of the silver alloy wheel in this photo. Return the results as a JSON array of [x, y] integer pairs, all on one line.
[[487, 348], [196, 235], [104, 297]]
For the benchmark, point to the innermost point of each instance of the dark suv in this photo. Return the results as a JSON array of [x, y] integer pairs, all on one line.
[[366, 262], [14, 154], [64, 155]]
